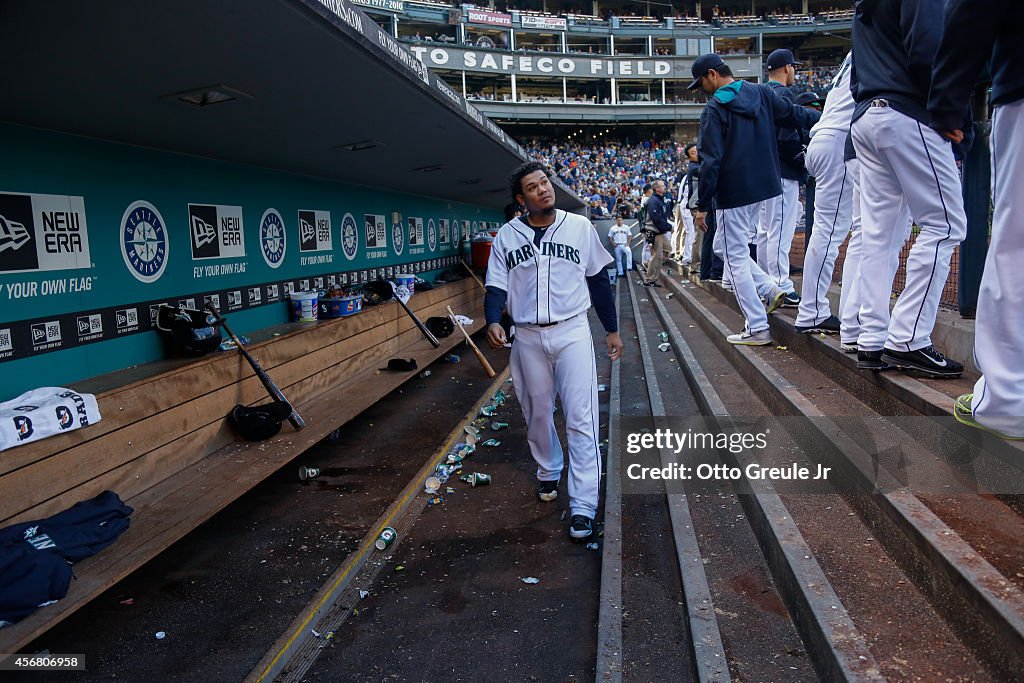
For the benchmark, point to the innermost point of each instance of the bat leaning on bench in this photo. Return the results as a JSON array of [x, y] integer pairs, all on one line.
[[272, 388]]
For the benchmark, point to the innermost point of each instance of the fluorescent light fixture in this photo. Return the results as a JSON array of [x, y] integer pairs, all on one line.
[[210, 94]]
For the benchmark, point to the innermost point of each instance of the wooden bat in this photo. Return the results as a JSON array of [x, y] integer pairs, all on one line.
[[479, 356], [472, 274], [272, 389], [419, 323]]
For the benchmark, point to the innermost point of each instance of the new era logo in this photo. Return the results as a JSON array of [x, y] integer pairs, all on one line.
[[254, 295], [5, 340], [90, 324], [202, 232], [234, 298], [307, 231], [128, 317], [13, 235]]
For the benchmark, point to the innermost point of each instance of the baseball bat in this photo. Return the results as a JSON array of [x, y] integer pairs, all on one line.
[[479, 356], [419, 323], [272, 389], [472, 274]]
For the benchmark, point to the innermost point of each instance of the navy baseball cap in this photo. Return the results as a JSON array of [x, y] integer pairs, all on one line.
[[701, 66], [806, 98], [780, 58]]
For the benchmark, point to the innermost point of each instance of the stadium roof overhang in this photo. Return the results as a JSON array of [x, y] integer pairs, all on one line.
[[316, 88]]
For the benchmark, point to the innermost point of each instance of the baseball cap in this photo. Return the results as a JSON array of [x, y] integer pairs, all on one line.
[[780, 58], [261, 422], [805, 98], [702, 65]]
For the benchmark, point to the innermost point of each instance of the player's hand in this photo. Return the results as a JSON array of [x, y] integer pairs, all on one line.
[[699, 220], [955, 135], [614, 345], [496, 336]]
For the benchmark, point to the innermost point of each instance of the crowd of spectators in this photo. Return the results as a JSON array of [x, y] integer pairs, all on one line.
[[610, 175], [816, 79]]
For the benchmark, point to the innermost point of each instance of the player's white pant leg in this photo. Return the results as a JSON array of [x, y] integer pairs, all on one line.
[[645, 254], [925, 167], [779, 225], [689, 236], [717, 246], [833, 206], [737, 226], [571, 346], [876, 136], [849, 295], [765, 210], [533, 376], [998, 345], [623, 254]]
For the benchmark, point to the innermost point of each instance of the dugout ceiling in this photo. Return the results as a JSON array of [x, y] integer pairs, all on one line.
[[308, 78]]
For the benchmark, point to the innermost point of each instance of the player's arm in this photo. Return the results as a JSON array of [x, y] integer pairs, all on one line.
[[710, 147], [496, 293], [921, 30], [601, 294], [791, 115], [968, 35]]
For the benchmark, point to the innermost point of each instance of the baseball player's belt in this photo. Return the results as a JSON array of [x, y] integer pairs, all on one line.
[[550, 324]]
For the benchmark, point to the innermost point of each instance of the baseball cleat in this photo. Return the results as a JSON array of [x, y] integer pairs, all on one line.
[[829, 325], [778, 299], [928, 360], [581, 527], [848, 347], [965, 415], [792, 300], [547, 490], [870, 360], [746, 338]]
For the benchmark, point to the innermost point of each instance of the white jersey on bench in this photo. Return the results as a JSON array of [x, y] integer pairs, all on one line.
[[43, 412]]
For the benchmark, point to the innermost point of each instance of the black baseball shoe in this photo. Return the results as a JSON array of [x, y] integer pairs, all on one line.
[[792, 300], [870, 360], [547, 490], [581, 527], [829, 325], [651, 284], [928, 360]]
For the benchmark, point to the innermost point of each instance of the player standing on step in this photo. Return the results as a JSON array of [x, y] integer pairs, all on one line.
[[975, 31], [738, 125], [902, 162], [548, 266], [833, 204], [777, 215]]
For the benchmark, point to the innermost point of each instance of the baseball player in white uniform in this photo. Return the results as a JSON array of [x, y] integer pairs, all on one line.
[[685, 233], [619, 237], [833, 204], [903, 163], [548, 267]]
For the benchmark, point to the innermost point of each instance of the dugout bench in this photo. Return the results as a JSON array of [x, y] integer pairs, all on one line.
[[165, 447]]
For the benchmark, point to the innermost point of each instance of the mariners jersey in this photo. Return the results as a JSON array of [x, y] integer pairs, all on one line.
[[546, 284], [839, 104], [619, 235]]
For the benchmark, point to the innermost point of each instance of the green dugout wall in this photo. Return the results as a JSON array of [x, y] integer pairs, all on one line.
[[93, 235]]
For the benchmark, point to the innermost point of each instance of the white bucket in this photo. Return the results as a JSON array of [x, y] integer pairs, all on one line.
[[304, 306], [406, 280]]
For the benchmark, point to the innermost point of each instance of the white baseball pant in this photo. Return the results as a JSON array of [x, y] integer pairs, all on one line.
[[903, 162], [849, 295], [776, 226], [749, 282], [623, 254], [559, 359], [719, 250], [998, 345], [833, 205], [683, 236]]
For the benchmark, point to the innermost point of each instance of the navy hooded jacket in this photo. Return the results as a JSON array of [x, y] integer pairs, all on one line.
[[790, 142], [894, 45], [738, 149], [975, 31]]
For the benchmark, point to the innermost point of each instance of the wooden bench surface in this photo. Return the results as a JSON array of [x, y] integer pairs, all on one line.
[[165, 447]]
